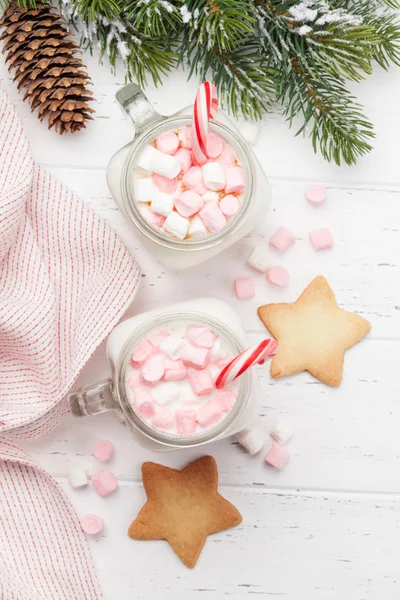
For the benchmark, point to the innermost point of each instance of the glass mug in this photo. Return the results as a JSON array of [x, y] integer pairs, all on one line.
[[148, 124], [111, 395]]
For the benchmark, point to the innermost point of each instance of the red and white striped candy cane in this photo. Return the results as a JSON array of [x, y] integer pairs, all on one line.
[[205, 108], [250, 357]]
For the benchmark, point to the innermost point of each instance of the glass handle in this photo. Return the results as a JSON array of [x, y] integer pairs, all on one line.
[[92, 399], [138, 108]]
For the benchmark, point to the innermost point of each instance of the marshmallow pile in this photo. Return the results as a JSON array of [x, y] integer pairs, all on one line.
[[170, 381], [183, 200], [280, 433]]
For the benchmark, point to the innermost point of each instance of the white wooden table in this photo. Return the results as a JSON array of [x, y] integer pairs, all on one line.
[[328, 526]]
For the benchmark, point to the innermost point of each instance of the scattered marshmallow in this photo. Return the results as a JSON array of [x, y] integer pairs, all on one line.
[[168, 186], [249, 130], [167, 142], [155, 339], [104, 482], [282, 239], [234, 180], [212, 217], [277, 456], [185, 137], [321, 239], [200, 336], [229, 205], [185, 421], [153, 369], [176, 226], [281, 431], [197, 229], [163, 418], [245, 288], [162, 204], [201, 382], [142, 352], [315, 194], [227, 157], [193, 179], [175, 370], [258, 258], [225, 399], [135, 379], [252, 440], [218, 351], [213, 176], [103, 450], [143, 401], [143, 189], [277, 276], [172, 345], [165, 392], [209, 414], [164, 164], [214, 145], [145, 159], [193, 356], [188, 203], [77, 476], [210, 197], [92, 524], [185, 157]]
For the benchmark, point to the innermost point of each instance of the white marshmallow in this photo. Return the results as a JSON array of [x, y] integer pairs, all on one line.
[[166, 392], [172, 345], [162, 204], [218, 351], [145, 158], [197, 229], [249, 130], [213, 176], [176, 226], [252, 440], [143, 189], [165, 164], [258, 258], [281, 431], [210, 197], [77, 476]]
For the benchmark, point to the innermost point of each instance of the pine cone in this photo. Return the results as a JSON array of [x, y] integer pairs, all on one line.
[[45, 59]]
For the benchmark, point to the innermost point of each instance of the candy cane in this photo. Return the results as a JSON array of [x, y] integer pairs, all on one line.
[[205, 108], [245, 360]]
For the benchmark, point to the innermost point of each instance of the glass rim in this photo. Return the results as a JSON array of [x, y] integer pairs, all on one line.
[[164, 437], [246, 161]]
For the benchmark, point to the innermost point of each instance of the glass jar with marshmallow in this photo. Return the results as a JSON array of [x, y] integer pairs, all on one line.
[[182, 212]]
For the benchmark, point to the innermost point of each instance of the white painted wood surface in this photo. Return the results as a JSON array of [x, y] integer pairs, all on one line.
[[327, 527]]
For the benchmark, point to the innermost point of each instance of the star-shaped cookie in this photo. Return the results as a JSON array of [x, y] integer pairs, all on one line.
[[313, 333], [183, 507]]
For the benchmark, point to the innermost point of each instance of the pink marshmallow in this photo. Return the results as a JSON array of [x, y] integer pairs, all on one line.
[[277, 276], [103, 450], [153, 369], [234, 180], [167, 142], [185, 157], [193, 356], [104, 482], [185, 137], [282, 239], [225, 399], [143, 402], [201, 382], [155, 339], [212, 217], [168, 186], [175, 370], [185, 421], [142, 352], [188, 203], [193, 179], [229, 205], [316, 194], [209, 414], [277, 456], [214, 145], [135, 379], [321, 239], [154, 219], [228, 157], [163, 418], [245, 288], [200, 336], [92, 524]]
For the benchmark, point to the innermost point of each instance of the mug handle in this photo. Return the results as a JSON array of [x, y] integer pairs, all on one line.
[[136, 105], [93, 399]]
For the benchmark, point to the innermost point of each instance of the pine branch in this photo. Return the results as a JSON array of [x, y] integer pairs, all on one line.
[[154, 17]]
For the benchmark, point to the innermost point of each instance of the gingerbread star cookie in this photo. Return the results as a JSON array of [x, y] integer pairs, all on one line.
[[313, 333], [183, 507]]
